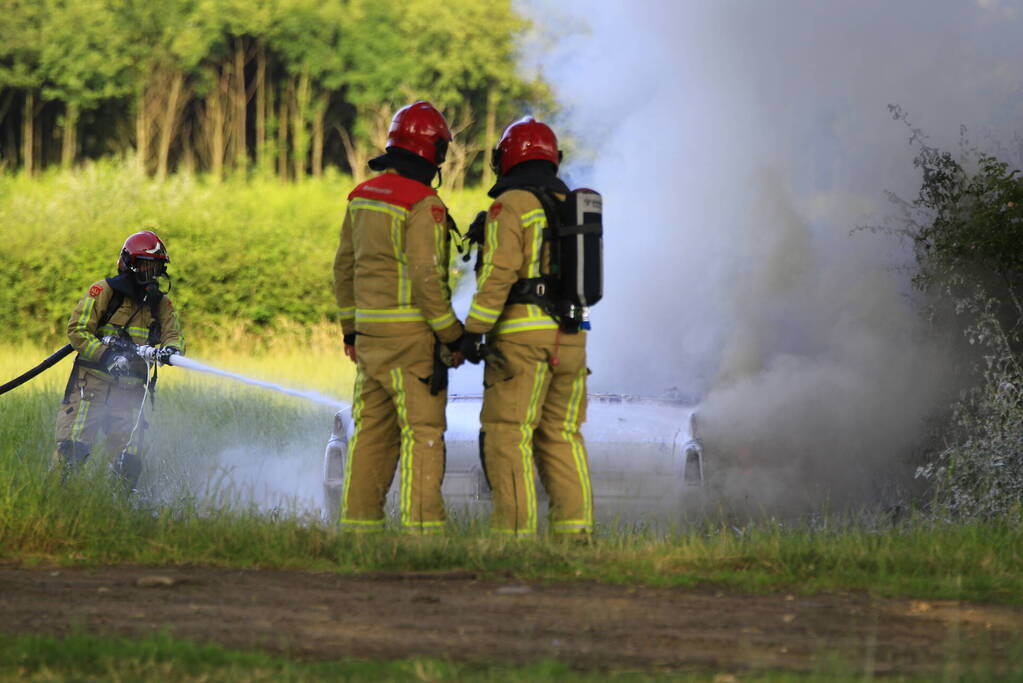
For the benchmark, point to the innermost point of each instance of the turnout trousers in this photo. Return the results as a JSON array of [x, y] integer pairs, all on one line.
[[532, 412], [96, 405], [396, 421]]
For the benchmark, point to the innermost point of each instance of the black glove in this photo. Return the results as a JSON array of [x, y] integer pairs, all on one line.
[[455, 346], [471, 346], [349, 339], [117, 363], [163, 355], [439, 378], [119, 344]]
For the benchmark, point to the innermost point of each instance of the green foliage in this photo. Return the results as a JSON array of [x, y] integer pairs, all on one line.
[[253, 253], [85, 56], [977, 217], [21, 41], [210, 82], [967, 228]]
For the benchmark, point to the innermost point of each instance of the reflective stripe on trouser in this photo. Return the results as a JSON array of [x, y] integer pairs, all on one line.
[[532, 413], [396, 420], [96, 405]]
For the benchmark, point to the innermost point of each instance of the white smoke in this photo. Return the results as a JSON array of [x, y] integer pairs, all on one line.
[[737, 144]]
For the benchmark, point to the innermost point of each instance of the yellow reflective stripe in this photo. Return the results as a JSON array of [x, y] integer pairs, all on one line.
[[571, 433], [533, 216], [401, 314], [134, 332], [353, 440], [363, 522], [407, 444], [487, 315], [82, 328], [524, 325], [79, 424], [440, 322], [490, 242], [90, 348], [526, 446], [425, 527], [404, 283], [538, 220], [347, 312], [440, 249], [383, 207]]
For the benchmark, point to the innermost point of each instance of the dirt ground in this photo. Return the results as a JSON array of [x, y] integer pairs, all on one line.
[[456, 616]]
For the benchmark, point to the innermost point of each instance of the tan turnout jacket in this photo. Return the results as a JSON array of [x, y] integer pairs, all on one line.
[[513, 248], [85, 334], [391, 268]]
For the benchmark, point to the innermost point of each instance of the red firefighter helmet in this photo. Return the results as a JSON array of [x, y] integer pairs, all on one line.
[[421, 129], [525, 140], [145, 255]]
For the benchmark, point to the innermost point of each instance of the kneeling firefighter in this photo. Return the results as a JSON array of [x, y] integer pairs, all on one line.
[[391, 285], [538, 269], [109, 382]]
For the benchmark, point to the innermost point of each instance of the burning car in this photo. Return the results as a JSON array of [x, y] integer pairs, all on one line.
[[645, 459]]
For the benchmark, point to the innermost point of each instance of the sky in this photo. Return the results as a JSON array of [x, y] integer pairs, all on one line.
[[738, 146]]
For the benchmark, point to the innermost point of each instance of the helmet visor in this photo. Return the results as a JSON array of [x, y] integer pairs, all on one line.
[[147, 270]]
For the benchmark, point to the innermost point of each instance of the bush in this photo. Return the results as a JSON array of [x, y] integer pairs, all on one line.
[[255, 251], [966, 225]]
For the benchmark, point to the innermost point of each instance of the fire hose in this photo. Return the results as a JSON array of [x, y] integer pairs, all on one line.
[[52, 360], [146, 353]]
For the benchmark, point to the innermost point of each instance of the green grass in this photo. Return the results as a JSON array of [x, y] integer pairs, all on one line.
[[190, 518], [162, 657]]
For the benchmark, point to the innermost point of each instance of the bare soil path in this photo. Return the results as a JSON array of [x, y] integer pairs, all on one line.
[[457, 616]]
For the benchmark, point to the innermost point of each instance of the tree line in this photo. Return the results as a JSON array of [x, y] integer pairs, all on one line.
[[281, 87]]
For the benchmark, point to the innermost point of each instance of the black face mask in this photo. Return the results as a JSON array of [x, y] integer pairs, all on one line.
[[128, 284]]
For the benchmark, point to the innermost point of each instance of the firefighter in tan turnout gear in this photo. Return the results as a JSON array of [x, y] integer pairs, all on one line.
[[108, 382], [391, 284], [534, 398]]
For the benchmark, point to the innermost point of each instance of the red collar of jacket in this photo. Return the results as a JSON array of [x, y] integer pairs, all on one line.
[[393, 189]]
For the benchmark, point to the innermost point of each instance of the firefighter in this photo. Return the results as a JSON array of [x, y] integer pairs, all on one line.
[[391, 284], [534, 397], [109, 380]]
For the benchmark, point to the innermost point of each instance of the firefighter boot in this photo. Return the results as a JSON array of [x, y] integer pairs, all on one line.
[[69, 457], [127, 468]]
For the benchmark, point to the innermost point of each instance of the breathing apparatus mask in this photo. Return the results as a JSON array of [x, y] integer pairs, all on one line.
[[146, 273]]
